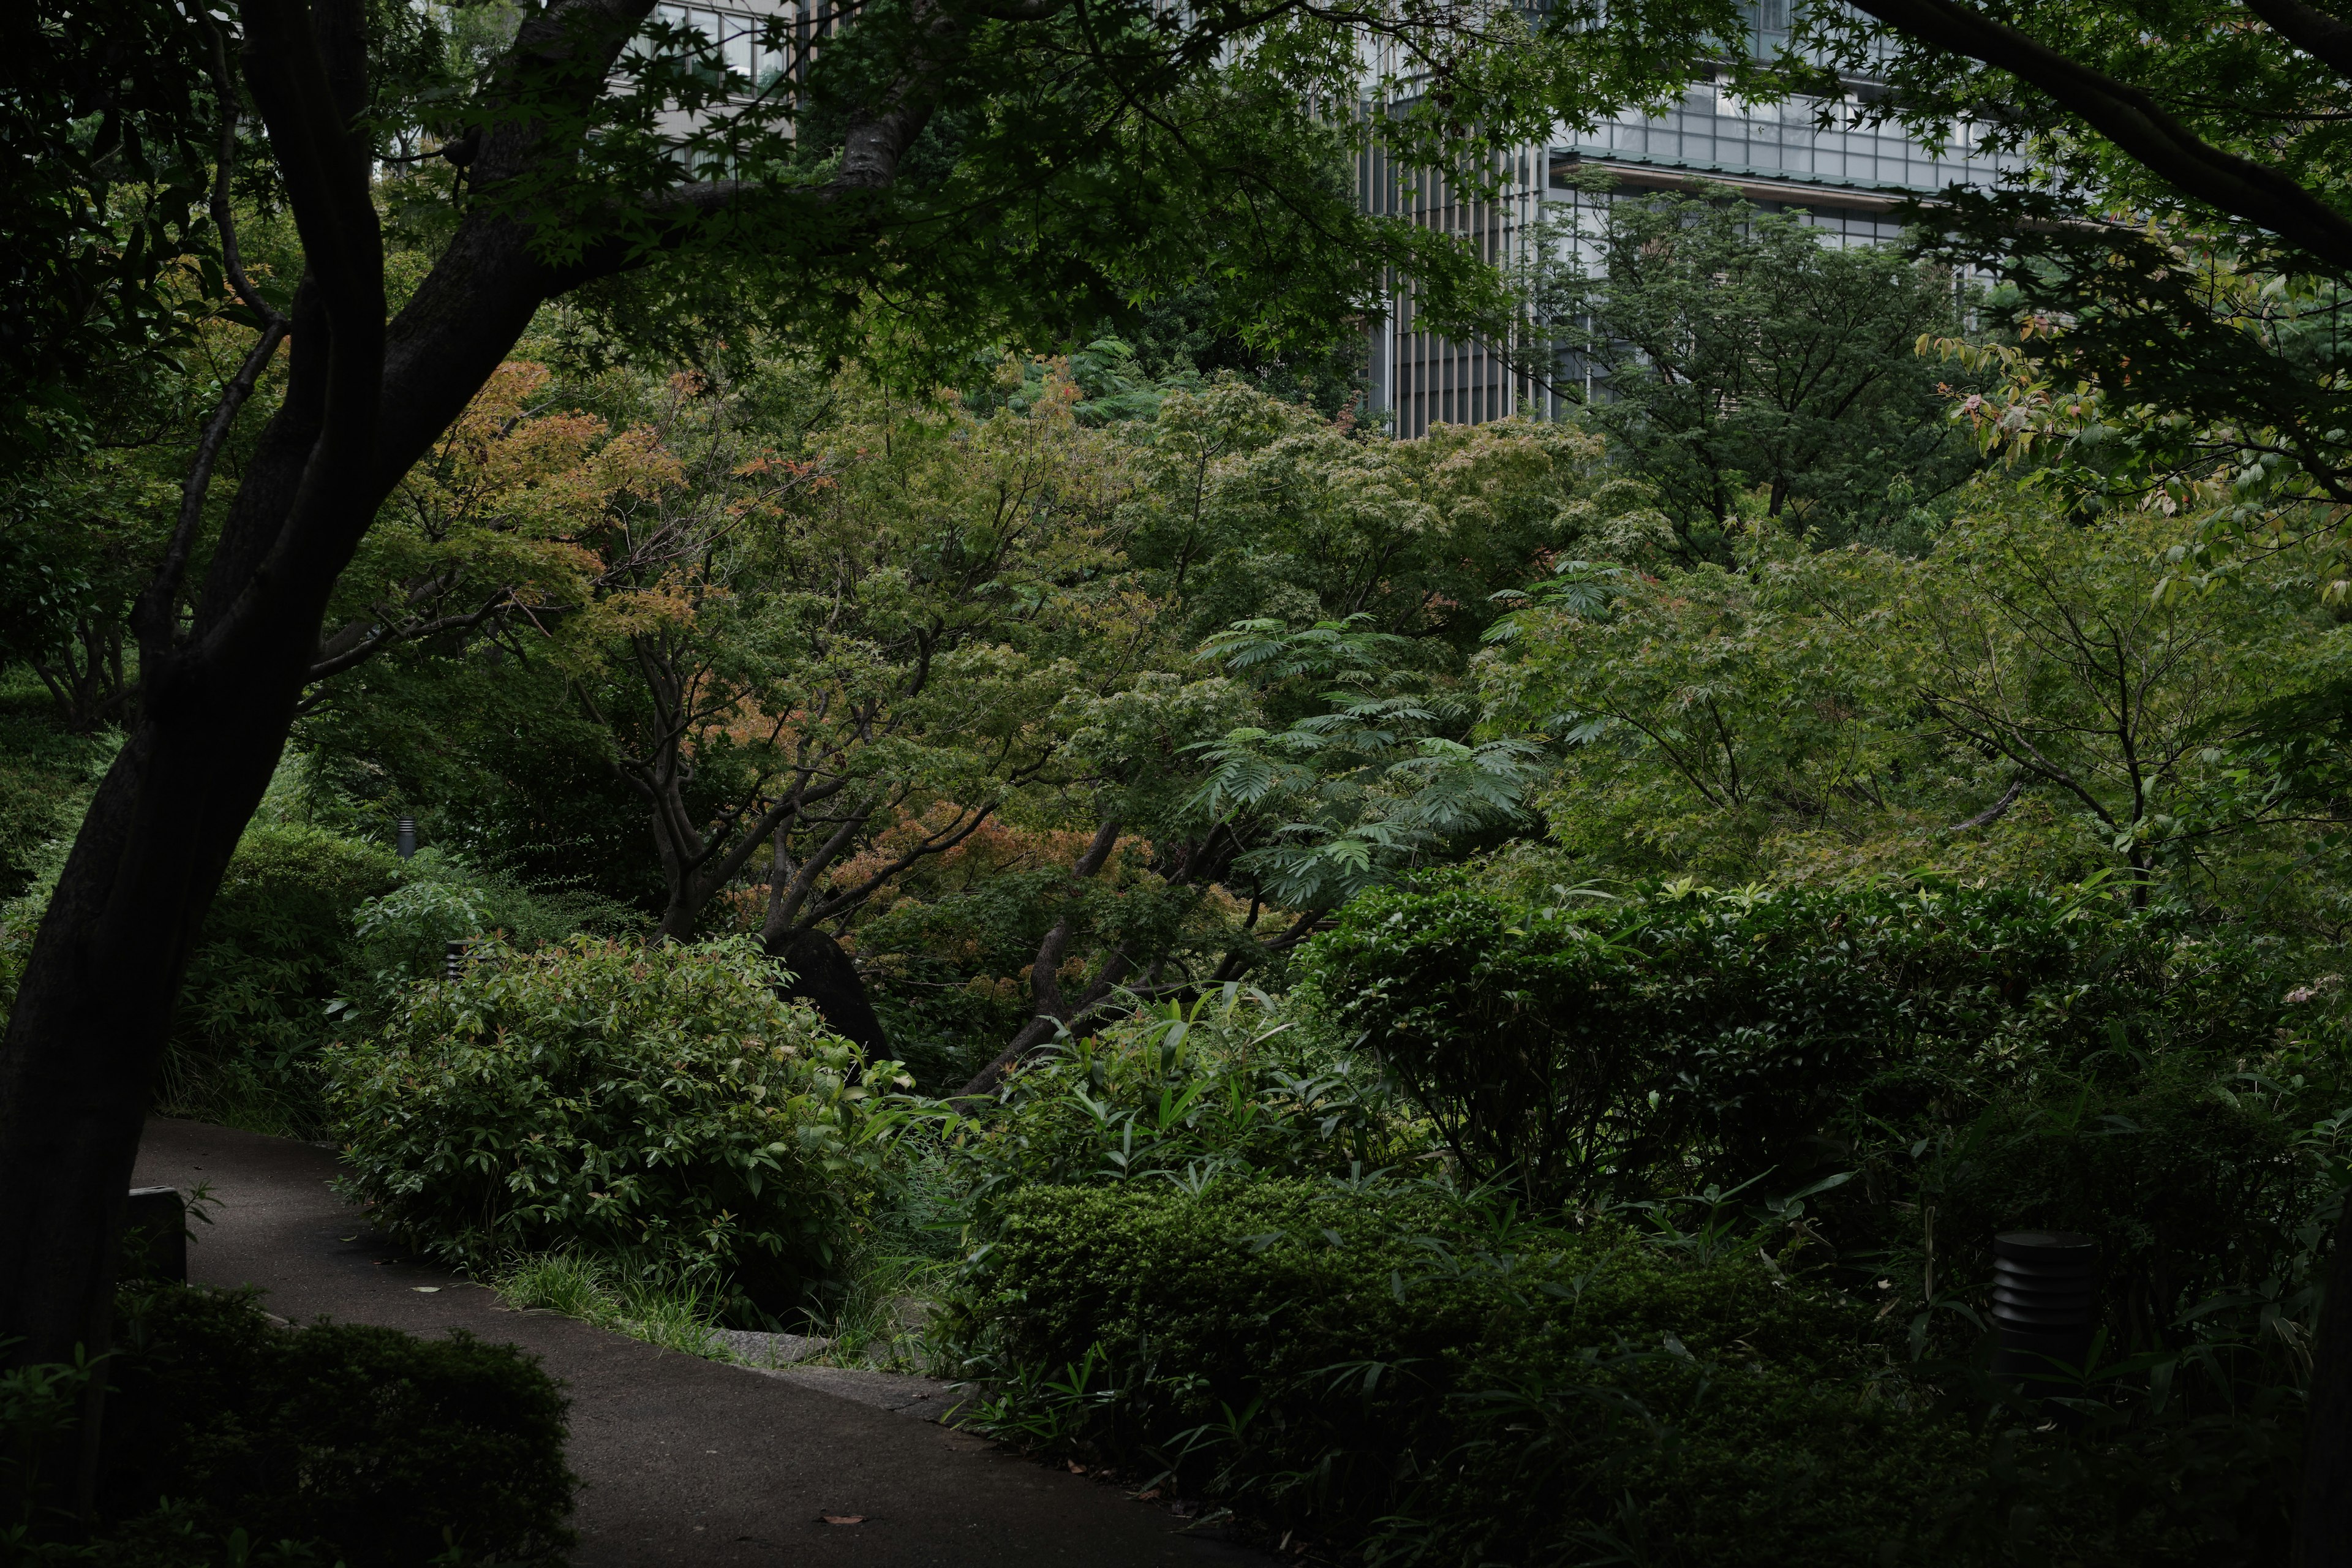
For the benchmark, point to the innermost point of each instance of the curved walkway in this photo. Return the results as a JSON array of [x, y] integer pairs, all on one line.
[[684, 1461]]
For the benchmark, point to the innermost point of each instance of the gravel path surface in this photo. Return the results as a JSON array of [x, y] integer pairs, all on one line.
[[685, 1461]]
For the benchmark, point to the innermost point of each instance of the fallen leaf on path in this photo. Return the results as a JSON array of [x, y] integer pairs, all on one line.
[[347, 1238], [424, 1290], [1077, 1469], [1151, 1496], [841, 1518]]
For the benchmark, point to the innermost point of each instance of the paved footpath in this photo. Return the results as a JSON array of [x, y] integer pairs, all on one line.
[[684, 1461]]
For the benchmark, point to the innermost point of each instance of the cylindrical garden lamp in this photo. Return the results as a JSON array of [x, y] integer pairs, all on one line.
[[2045, 1299], [405, 836]]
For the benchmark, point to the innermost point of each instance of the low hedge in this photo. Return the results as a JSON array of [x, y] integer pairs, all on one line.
[[229, 1438], [1686, 1035], [661, 1105], [1422, 1378]]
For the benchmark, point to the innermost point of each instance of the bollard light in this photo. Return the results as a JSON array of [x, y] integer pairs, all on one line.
[[453, 964], [406, 839], [2044, 1300]]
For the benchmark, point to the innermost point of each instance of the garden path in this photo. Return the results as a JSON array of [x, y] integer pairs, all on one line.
[[684, 1461]]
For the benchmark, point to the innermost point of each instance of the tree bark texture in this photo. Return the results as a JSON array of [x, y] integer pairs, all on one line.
[[2322, 1533]]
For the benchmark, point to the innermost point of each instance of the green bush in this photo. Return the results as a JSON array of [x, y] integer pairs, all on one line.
[[1425, 1376], [1685, 1036], [1408, 1374], [1231, 1082], [313, 935], [658, 1105], [226, 1435], [276, 949], [1977, 1059]]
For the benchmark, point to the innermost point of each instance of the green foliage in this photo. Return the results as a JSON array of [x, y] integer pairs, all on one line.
[[314, 934], [2196, 349], [228, 1438], [106, 138], [645, 1306], [1617, 1046], [1751, 367], [18, 922], [46, 777], [1420, 1376], [1341, 798], [1814, 717], [660, 1105], [1962, 1062], [1255, 509], [1229, 1084], [276, 949], [1685, 1036]]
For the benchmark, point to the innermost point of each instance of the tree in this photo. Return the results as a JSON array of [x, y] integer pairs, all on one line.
[[2184, 219], [1330, 747], [108, 181], [963, 169], [1745, 365], [2019, 704]]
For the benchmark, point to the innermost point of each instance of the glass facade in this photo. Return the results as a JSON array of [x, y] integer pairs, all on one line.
[[1795, 157]]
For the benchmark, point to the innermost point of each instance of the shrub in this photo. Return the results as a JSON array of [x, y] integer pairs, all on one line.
[[332, 1444], [658, 1105], [1231, 1082], [1427, 1376], [276, 948], [1687, 1036], [313, 933], [1415, 1374]]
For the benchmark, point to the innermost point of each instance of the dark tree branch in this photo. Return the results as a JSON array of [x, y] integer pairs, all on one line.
[[153, 615], [2325, 39], [1994, 812], [2131, 118], [224, 213], [1052, 1013]]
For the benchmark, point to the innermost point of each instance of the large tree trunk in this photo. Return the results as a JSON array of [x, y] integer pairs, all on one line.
[[362, 404], [2324, 1523]]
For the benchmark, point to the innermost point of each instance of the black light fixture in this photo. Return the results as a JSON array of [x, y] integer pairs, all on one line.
[[2044, 1296], [453, 962], [405, 839]]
